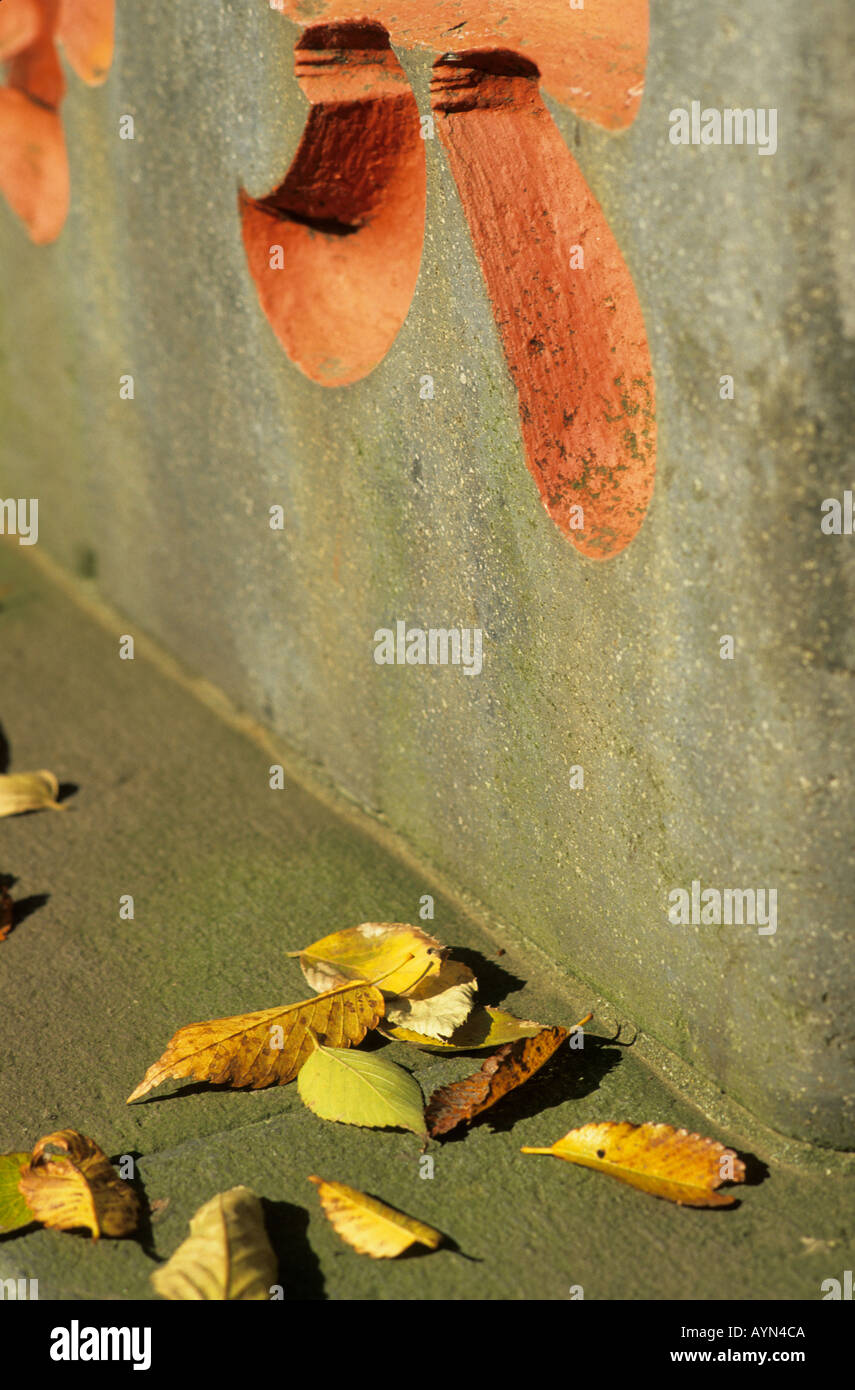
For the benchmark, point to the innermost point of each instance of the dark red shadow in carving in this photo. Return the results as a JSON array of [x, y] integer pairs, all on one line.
[[349, 214]]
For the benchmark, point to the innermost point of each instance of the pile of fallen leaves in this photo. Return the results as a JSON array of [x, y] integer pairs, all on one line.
[[393, 979], [387, 976]]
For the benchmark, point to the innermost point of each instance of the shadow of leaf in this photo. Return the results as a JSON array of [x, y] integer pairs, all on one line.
[[299, 1268], [494, 982], [143, 1234], [25, 907], [756, 1171]]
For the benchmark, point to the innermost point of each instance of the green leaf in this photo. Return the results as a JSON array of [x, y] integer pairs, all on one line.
[[485, 1027], [360, 1088], [14, 1211]]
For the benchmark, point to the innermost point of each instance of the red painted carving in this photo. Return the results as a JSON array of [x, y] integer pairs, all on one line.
[[33, 160]]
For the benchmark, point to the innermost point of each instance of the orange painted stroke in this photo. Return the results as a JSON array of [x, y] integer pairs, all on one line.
[[34, 175], [85, 28], [349, 215], [574, 338], [20, 23], [593, 58]]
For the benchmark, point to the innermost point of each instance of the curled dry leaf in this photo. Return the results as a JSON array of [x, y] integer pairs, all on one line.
[[268, 1047], [7, 912], [437, 1004], [227, 1255], [14, 1211], [78, 1187], [399, 954], [485, 1027], [666, 1162], [360, 1088], [508, 1068], [370, 1226], [28, 791]]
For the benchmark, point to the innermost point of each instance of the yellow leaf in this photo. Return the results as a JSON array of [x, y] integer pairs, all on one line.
[[28, 791], [485, 1027], [398, 954], [78, 1187], [227, 1255], [437, 1004], [268, 1047], [659, 1159], [370, 1226]]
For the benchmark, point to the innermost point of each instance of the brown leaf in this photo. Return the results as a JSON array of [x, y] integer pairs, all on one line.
[[78, 1187], [506, 1069], [666, 1162], [268, 1047]]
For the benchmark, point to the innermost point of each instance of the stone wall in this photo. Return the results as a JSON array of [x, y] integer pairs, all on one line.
[[730, 773]]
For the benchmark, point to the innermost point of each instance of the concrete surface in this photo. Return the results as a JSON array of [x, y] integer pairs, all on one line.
[[171, 805]]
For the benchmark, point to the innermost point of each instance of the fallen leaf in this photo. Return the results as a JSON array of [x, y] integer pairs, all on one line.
[[227, 1255], [438, 1004], [370, 1226], [267, 1047], [7, 912], [664, 1161], [360, 1088], [28, 791], [78, 1187], [85, 29], [485, 1027], [14, 1211], [399, 954], [508, 1068]]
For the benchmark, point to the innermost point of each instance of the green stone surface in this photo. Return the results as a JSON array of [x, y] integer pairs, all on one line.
[[172, 806]]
